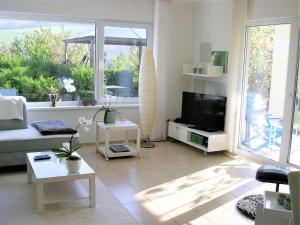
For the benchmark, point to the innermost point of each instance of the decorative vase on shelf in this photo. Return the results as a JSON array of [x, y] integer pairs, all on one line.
[[73, 164], [53, 99]]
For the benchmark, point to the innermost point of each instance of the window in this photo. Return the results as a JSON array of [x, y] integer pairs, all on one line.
[[122, 54], [36, 56]]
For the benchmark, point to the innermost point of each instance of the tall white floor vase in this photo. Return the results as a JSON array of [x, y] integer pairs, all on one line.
[[147, 94], [294, 183]]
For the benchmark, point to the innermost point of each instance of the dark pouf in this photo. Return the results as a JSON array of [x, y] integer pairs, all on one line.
[[273, 174], [247, 205]]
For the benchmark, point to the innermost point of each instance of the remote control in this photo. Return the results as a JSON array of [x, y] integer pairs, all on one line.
[[42, 157]]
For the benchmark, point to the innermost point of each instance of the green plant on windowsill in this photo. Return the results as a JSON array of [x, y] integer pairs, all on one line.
[[87, 98], [53, 95]]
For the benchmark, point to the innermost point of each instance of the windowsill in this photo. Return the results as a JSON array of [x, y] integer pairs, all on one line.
[[57, 108]]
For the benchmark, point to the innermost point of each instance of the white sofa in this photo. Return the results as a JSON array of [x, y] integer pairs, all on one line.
[[17, 138]]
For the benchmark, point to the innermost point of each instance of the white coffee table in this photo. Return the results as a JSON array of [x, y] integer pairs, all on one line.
[[55, 184]]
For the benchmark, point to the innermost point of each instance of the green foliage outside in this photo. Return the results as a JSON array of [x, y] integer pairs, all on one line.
[[123, 65], [260, 49], [33, 63]]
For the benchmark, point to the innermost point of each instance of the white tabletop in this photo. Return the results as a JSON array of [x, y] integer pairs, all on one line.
[[118, 124], [56, 168]]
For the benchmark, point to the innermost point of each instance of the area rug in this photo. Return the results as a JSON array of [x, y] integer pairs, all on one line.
[[18, 206], [247, 205]]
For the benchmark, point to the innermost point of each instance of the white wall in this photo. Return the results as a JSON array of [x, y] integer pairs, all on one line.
[[182, 19], [213, 24], [130, 10], [272, 8]]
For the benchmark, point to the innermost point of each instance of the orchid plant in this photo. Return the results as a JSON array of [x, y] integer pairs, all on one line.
[[107, 109], [68, 85], [69, 147]]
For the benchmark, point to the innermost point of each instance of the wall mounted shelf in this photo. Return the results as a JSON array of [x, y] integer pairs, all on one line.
[[187, 70]]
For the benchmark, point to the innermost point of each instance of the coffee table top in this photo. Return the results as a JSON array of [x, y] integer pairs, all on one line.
[[55, 169]]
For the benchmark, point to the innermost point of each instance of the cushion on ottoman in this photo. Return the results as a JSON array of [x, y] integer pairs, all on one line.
[[273, 174]]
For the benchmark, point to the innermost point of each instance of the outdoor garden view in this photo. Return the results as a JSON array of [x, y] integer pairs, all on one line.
[[36, 59], [266, 76]]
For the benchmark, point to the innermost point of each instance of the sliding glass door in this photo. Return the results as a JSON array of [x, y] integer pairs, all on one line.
[[268, 89]]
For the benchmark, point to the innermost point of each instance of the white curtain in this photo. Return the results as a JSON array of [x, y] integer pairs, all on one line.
[[160, 52], [239, 18]]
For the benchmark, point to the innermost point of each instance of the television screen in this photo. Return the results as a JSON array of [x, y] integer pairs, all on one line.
[[203, 111]]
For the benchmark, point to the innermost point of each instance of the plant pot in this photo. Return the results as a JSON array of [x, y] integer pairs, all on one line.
[[73, 165], [110, 116], [85, 102], [53, 99]]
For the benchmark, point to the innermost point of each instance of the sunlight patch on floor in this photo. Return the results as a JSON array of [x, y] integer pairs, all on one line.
[[196, 190]]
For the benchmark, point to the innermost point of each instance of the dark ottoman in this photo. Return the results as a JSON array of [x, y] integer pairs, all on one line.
[[273, 174]]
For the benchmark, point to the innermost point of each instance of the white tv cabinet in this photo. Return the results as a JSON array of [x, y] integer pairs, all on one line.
[[215, 141]]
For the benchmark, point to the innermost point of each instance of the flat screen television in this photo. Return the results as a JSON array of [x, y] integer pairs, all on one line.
[[203, 111]]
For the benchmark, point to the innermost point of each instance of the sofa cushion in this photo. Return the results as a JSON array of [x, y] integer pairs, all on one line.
[[30, 140]]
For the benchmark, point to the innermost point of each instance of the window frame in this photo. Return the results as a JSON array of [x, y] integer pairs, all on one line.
[[99, 49], [112, 23]]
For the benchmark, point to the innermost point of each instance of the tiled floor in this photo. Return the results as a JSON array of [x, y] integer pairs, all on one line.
[[175, 184]]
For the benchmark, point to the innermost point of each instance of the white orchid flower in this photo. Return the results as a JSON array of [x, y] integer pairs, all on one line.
[[68, 85], [81, 120], [68, 81], [89, 122], [66, 145]]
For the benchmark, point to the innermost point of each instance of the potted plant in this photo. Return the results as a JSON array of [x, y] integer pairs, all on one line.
[[53, 95], [109, 114], [73, 162], [87, 98]]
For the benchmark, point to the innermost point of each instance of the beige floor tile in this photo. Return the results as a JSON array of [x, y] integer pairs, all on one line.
[[222, 216], [140, 181], [124, 192], [146, 217], [176, 184], [231, 206], [192, 217]]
